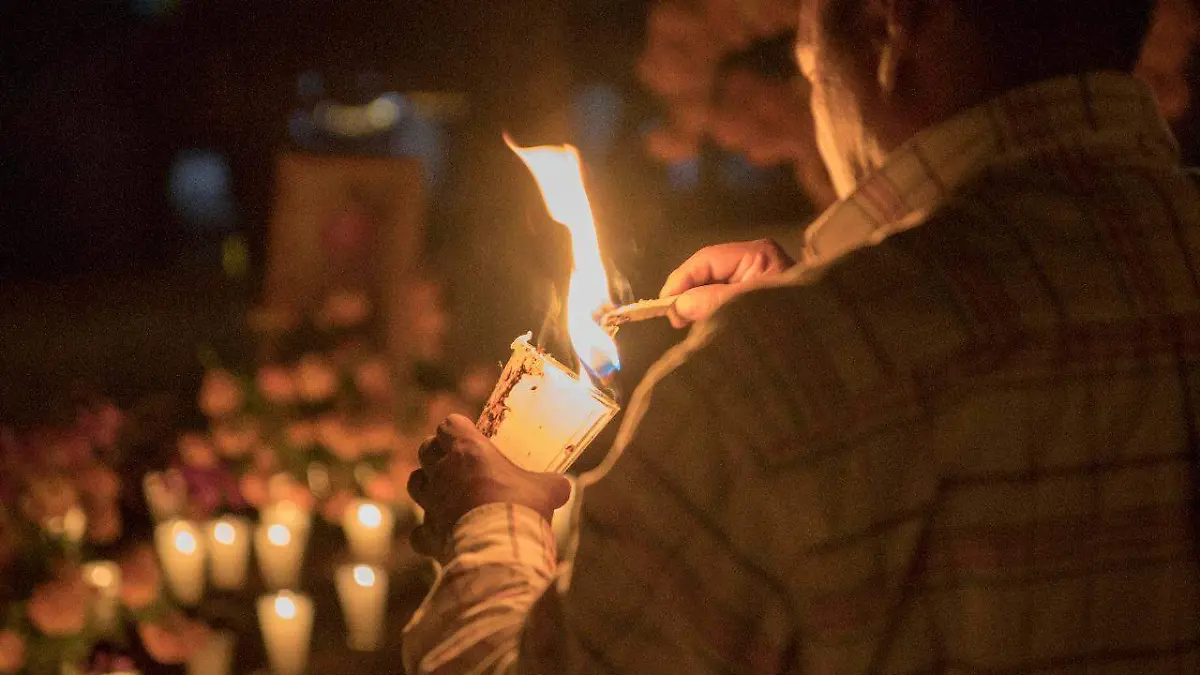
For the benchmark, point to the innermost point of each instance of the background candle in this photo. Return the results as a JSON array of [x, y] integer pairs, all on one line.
[[229, 551], [181, 553], [368, 526], [215, 656], [279, 554], [362, 590], [289, 514], [286, 621], [105, 577]]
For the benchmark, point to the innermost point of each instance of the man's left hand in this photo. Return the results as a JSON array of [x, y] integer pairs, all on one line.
[[460, 470]]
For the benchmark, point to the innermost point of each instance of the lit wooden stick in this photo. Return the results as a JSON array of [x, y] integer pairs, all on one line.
[[638, 311]]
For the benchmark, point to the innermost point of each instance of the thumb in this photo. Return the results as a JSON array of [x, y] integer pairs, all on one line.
[[699, 303], [557, 489]]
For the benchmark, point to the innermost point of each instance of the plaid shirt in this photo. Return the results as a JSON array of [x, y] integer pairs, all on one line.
[[966, 448]]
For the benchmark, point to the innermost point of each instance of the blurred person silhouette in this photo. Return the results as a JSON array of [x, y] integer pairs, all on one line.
[[958, 435]]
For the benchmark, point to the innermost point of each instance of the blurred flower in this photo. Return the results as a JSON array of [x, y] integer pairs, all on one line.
[[220, 393], [272, 320], [276, 385], [253, 488], [300, 434], [103, 524], [379, 437], [196, 452], [59, 607], [99, 484], [316, 378], [373, 379], [140, 578], [346, 308], [338, 439], [55, 448], [336, 505], [233, 441], [477, 382], [173, 638], [12, 651], [283, 488], [102, 425], [265, 460], [49, 497], [381, 488], [440, 406]]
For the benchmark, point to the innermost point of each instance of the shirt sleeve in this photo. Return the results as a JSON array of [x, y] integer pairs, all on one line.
[[503, 557], [759, 512]]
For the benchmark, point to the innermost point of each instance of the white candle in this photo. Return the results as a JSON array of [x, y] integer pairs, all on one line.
[[214, 656], [279, 555], [541, 415], [165, 493], [362, 590], [286, 620], [369, 526], [105, 577], [229, 551], [181, 553]]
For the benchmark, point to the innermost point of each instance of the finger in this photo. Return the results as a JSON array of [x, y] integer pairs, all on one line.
[[430, 452], [418, 481], [427, 541], [725, 263], [558, 489], [700, 303], [458, 428]]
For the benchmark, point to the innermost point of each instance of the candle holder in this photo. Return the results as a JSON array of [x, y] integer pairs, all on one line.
[[286, 620], [105, 577], [229, 551], [180, 550], [362, 591], [368, 527], [540, 414], [214, 656]]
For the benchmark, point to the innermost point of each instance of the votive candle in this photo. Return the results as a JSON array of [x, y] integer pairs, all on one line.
[[181, 553], [368, 526], [229, 551], [286, 620], [362, 590]]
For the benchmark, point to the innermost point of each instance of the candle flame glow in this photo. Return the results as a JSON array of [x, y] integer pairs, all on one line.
[[101, 575], [370, 515], [185, 542], [364, 575], [285, 607], [279, 535], [559, 175], [223, 533]]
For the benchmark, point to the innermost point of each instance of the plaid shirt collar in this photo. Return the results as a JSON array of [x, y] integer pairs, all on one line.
[[1103, 107]]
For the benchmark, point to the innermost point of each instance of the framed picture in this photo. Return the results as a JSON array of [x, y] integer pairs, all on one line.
[[348, 223]]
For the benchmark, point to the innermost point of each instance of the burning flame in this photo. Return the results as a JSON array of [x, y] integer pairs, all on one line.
[[559, 176]]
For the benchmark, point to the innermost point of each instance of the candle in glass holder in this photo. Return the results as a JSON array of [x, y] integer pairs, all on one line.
[[166, 493], [105, 577], [369, 526], [279, 555], [540, 414], [362, 590], [214, 656], [181, 553], [229, 551], [286, 620]]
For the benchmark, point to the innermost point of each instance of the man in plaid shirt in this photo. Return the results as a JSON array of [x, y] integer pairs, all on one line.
[[958, 436]]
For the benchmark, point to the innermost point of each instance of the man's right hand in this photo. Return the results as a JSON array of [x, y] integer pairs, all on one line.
[[715, 274]]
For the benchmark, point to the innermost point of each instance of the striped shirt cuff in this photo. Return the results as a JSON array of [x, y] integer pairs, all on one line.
[[506, 534]]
